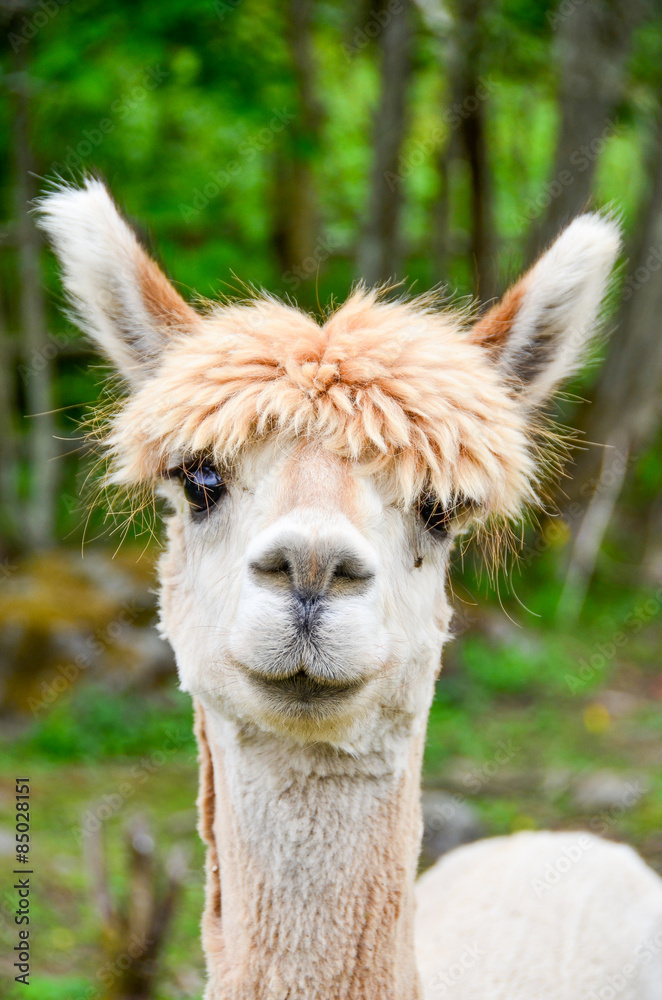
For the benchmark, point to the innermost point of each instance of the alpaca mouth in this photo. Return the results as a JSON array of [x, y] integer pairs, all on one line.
[[301, 690]]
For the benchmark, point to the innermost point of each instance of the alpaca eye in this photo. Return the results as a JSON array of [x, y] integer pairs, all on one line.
[[203, 486], [434, 515]]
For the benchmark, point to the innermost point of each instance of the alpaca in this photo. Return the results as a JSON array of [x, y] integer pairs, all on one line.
[[318, 476]]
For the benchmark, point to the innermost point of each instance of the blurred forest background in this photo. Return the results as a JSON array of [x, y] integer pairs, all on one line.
[[300, 145]]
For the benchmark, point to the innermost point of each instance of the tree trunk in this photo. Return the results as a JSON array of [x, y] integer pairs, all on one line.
[[379, 257], [36, 352], [593, 42], [628, 392], [466, 117], [588, 539], [135, 928], [10, 533], [296, 210], [440, 216], [628, 397]]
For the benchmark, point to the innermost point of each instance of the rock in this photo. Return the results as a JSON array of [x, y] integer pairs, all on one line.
[[620, 704], [448, 821], [143, 658], [118, 582], [605, 790], [190, 981], [65, 619], [183, 824], [496, 776], [556, 781]]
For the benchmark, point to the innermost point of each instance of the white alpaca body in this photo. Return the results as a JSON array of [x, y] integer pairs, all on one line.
[[540, 916]]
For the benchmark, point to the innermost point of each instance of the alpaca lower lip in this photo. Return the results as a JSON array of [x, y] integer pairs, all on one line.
[[304, 689]]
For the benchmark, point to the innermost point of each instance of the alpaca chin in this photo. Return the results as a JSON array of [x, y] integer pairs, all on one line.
[[337, 728]]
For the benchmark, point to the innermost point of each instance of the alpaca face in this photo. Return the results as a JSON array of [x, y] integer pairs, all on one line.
[[305, 601], [319, 473]]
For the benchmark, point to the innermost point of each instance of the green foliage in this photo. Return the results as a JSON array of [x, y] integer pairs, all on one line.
[[516, 669], [45, 988], [94, 724]]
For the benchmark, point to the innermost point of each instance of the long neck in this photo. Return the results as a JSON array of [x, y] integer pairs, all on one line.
[[310, 870]]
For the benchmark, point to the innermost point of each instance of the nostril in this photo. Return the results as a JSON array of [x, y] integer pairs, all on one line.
[[283, 566], [351, 569], [274, 564]]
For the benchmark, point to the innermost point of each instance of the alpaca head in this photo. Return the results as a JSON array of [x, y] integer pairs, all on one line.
[[318, 474]]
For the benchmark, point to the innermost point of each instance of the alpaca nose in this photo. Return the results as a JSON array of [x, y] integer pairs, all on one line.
[[311, 566]]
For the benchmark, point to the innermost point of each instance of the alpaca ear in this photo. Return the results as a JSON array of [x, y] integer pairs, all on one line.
[[119, 296], [537, 333]]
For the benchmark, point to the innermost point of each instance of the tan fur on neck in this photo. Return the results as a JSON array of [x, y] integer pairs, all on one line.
[[206, 814], [321, 909]]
